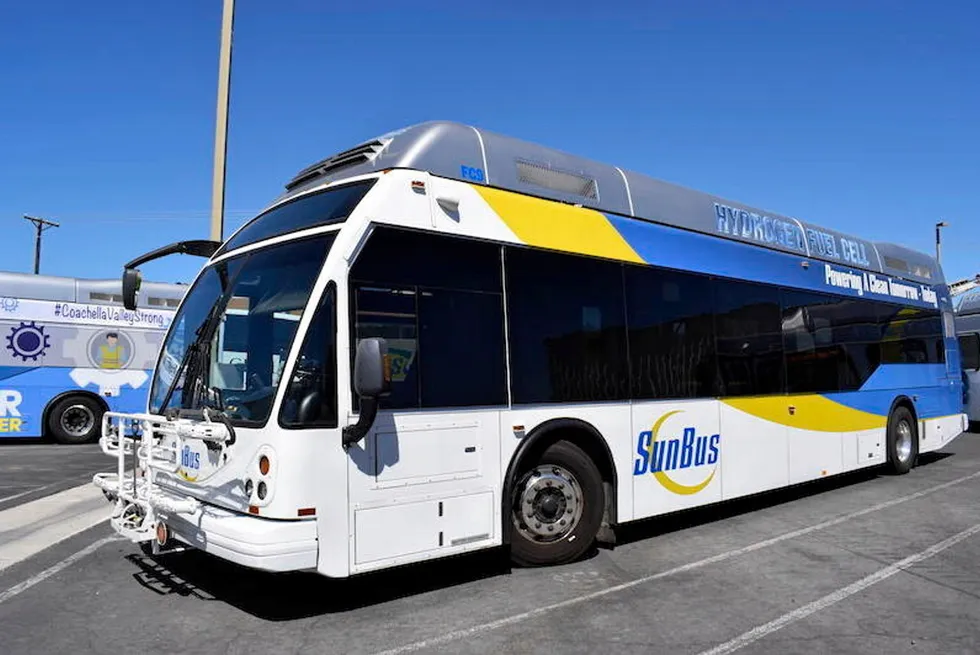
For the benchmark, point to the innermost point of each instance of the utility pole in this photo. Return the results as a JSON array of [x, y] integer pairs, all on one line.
[[221, 124], [41, 224], [939, 225]]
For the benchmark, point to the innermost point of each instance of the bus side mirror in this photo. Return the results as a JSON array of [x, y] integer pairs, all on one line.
[[372, 368], [131, 281], [372, 380]]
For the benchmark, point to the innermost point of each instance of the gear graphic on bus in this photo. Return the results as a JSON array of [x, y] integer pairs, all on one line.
[[28, 341]]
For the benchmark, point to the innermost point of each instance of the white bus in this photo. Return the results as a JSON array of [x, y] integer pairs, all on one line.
[[968, 330], [500, 343]]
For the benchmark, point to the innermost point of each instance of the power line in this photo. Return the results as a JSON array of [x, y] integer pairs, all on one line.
[[41, 224]]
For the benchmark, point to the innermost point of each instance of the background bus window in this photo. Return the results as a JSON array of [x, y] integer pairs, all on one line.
[[970, 351]]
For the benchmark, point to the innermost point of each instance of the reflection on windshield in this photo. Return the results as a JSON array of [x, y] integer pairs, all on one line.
[[259, 298]]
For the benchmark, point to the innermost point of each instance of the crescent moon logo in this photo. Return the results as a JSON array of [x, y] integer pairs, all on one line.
[[665, 480]]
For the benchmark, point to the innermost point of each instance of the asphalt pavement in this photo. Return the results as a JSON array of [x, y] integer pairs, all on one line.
[[29, 471], [864, 563]]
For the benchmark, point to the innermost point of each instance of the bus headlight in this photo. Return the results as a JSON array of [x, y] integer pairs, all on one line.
[[260, 477]]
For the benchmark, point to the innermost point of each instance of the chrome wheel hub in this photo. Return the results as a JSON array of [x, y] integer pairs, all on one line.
[[903, 441], [550, 503], [77, 420]]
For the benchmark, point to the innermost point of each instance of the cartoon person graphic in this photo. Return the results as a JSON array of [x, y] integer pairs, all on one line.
[[111, 353]]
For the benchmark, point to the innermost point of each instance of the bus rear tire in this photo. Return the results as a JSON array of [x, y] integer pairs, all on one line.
[[556, 507], [901, 441], [75, 419]]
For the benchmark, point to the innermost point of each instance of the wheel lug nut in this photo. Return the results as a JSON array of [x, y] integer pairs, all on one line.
[[562, 522], [551, 528], [568, 496], [568, 511], [537, 525], [561, 486], [548, 483]]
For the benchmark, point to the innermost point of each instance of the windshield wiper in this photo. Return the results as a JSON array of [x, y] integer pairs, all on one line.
[[201, 336]]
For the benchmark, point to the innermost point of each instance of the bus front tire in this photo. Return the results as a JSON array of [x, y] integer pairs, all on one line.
[[556, 508], [75, 420], [901, 441]]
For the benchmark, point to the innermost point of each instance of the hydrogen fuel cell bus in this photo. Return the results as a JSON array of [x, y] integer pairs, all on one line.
[[451, 340], [71, 351]]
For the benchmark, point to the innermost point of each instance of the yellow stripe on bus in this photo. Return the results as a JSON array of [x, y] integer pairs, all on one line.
[[811, 412], [559, 226]]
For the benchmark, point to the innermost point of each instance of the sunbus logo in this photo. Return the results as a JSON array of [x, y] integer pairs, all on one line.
[[661, 454]]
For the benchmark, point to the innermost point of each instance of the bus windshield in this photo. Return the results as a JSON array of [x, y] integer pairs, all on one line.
[[231, 337]]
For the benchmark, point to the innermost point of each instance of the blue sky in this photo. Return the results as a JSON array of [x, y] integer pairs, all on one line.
[[860, 116]]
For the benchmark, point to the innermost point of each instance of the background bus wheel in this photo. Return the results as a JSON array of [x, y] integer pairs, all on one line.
[[75, 420], [557, 507], [902, 441]]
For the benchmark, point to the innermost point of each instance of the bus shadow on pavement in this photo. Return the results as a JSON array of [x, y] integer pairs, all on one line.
[[685, 519], [298, 595]]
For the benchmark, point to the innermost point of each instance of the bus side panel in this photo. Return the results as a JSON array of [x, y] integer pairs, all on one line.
[[755, 452], [24, 392], [676, 459], [612, 421]]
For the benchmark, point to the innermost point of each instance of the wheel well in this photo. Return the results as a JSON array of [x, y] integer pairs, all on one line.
[[69, 394], [575, 431], [906, 402]]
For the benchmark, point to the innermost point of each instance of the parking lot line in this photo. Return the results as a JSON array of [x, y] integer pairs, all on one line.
[[463, 633], [835, 597], [55, 568], [24, 493], [27, 529]]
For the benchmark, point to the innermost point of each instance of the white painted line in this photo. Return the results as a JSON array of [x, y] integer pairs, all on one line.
[[835, 597], [456, 635], [52, 570], [24, 493], [50, 534], [24, 515]]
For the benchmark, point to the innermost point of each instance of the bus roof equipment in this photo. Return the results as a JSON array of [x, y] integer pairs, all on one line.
[[474, 155]]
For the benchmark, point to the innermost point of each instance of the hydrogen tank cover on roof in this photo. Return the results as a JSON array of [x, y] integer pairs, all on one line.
[[473, 155]]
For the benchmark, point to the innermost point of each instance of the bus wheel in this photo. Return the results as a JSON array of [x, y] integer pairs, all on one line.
[[901, 441], [556, 507], [75, 420]]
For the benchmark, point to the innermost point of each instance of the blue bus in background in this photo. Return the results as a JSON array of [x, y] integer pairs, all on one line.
[[70, 351]]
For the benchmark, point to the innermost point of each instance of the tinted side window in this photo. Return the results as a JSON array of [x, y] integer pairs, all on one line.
[[813, 359], [438, 302], [970, 351], [910, 335], [671, 334], [461, 343], [567, 328], [855, 326], [749, 339], [311, 398]]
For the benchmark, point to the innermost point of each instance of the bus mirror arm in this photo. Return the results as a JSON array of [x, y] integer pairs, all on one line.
[[131, 279], [372, 380]]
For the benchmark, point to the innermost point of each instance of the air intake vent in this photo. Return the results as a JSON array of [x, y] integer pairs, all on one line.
[[896, 263], [549, 178], [362, 154]]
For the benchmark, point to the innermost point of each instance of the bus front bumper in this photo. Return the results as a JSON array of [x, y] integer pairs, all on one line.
[[252, 541]]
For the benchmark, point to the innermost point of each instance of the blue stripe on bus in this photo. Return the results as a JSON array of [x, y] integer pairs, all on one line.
[[691, 251]]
